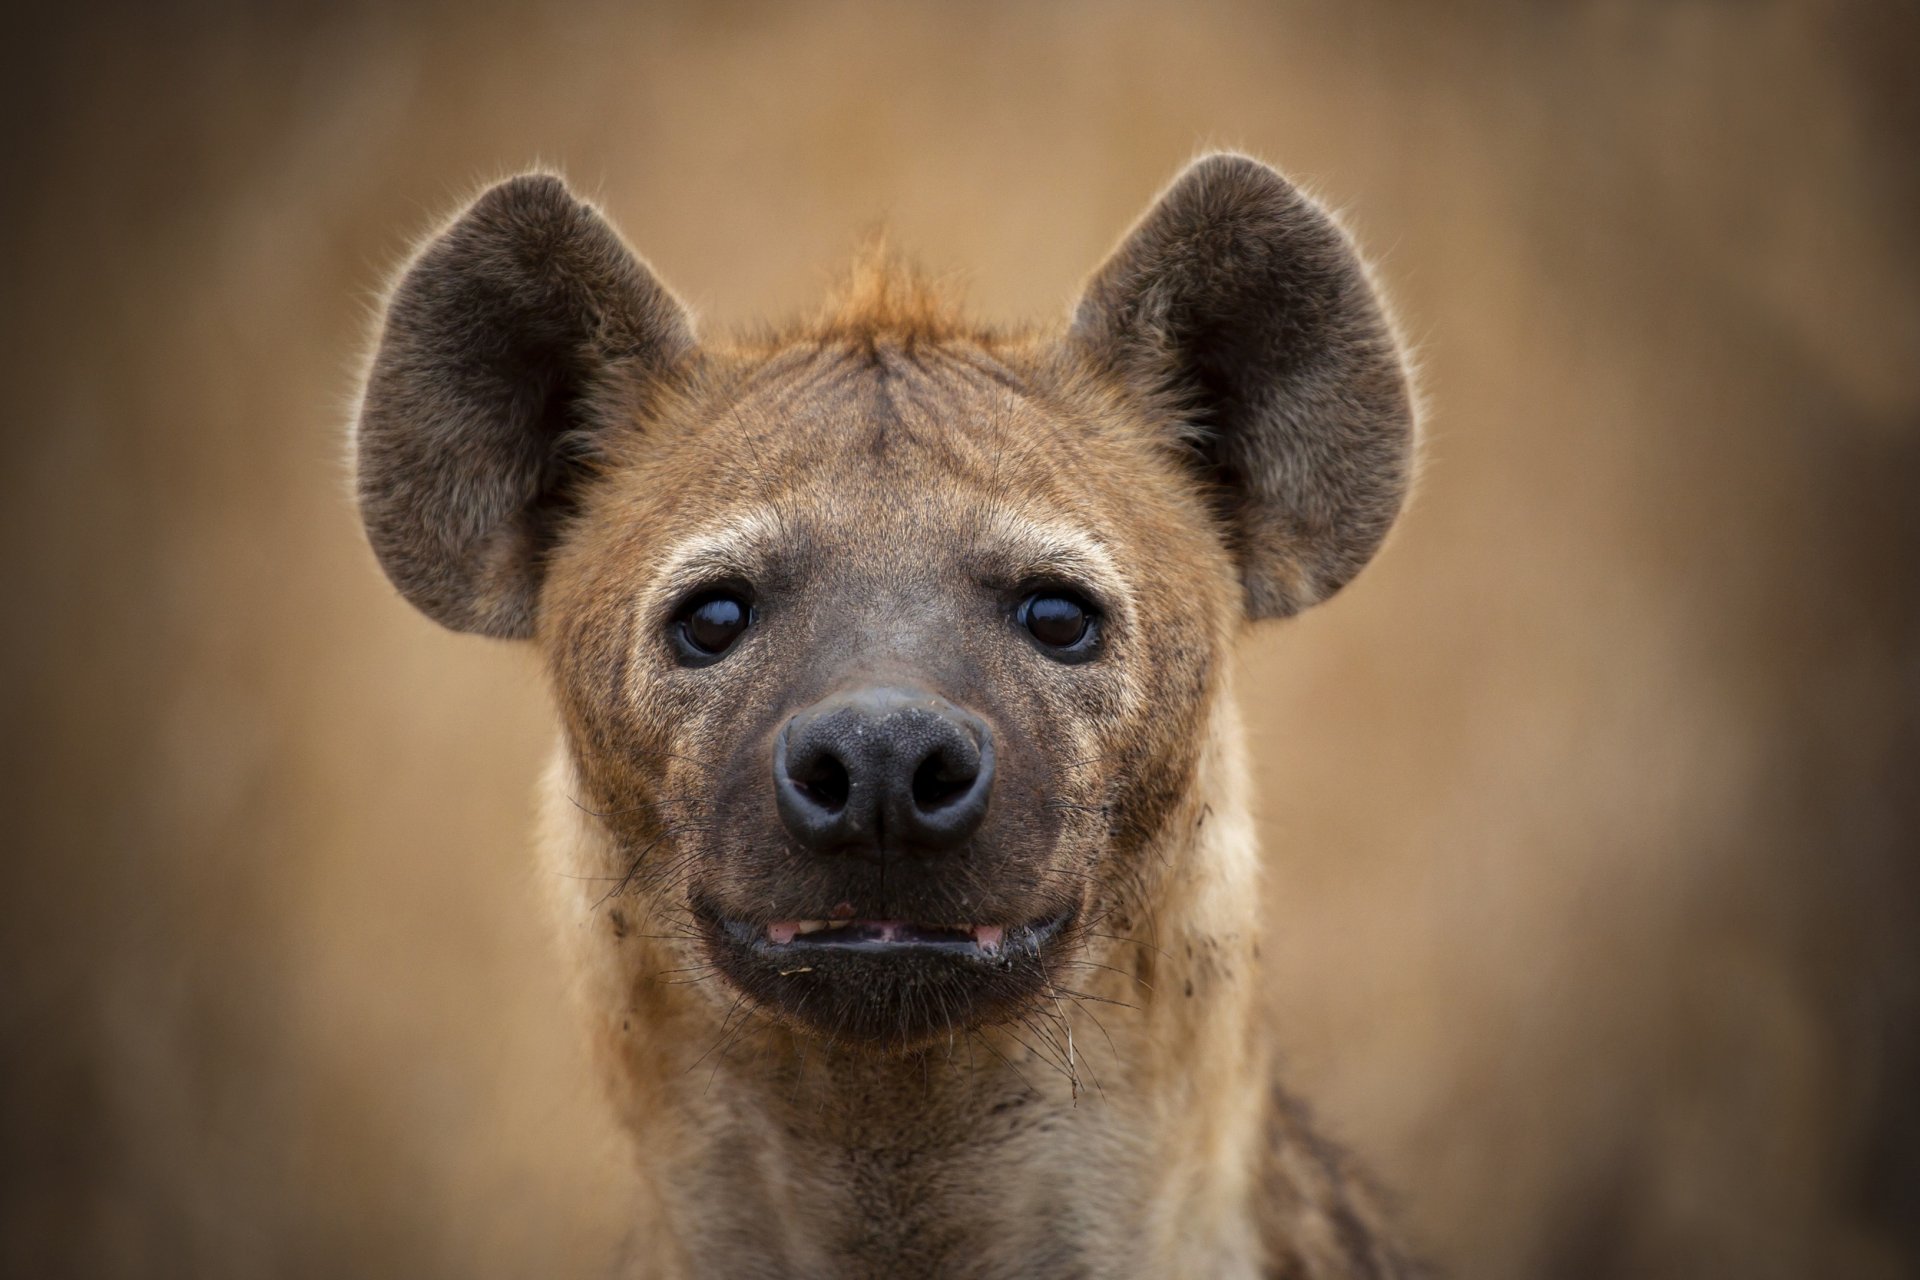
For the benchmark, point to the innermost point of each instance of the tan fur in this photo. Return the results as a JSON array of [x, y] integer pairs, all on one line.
[[1223, 434]]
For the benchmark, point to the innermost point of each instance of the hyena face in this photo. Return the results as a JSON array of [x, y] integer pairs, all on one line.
[[886, 648], [881, 659]]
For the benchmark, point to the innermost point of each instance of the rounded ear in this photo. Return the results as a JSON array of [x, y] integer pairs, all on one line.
[[467, 447], [1242, 313]]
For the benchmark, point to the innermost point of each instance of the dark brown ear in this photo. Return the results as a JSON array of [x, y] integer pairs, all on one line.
[[1242, 312], [477, 406]]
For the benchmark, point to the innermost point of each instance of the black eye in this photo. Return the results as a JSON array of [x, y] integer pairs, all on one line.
[[1060, 622], [709, 624]]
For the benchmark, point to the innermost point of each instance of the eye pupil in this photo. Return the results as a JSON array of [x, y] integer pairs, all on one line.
[[712, 623], [1057, 621]]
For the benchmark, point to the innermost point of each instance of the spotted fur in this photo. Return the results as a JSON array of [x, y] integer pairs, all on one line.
[[1221, 434]]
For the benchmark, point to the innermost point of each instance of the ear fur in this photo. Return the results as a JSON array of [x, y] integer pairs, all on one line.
[[493, 339], [1237, 306]]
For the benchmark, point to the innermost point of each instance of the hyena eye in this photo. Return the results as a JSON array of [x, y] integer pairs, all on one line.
[[1061, 623], [710, 623]]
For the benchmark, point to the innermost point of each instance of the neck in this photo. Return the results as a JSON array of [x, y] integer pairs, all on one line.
[[1143, 1083]]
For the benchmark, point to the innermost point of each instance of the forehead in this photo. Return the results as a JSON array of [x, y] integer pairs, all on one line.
[[887, 462], [863, 425]]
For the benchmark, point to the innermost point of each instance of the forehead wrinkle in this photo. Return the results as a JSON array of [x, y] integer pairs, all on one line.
[[787, 390], [987, 372], [958, 421], [927, 382]]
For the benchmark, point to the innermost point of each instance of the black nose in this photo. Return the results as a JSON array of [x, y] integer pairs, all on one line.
[[883, 769]]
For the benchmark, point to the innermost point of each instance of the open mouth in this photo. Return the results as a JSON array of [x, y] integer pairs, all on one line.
[[885, 935], [894, 937], [892, 982]]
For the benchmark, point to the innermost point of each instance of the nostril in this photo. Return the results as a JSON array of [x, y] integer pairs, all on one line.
[[824, 780], [939, 781]]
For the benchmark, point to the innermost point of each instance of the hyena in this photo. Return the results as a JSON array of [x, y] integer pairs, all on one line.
[[899, 824]]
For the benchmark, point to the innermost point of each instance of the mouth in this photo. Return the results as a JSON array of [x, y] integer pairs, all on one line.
[[895, 984], [888, 936]]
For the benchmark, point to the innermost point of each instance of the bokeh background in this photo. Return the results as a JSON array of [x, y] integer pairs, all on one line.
[[1595, 911]]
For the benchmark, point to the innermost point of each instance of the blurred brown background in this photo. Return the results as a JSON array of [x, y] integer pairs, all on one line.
[[1592, 807]]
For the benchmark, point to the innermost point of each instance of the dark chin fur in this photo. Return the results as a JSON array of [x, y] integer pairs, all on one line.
[[889, 1001]]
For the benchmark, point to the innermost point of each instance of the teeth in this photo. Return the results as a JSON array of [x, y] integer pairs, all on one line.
[[781, 932]]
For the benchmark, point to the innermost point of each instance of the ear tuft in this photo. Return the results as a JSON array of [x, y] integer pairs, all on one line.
[[493, 339], [1240, 310]]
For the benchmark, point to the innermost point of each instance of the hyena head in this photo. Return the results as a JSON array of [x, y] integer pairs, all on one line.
[[885, 647]]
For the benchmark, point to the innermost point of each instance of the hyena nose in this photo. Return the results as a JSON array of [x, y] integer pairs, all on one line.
[[882, 769]]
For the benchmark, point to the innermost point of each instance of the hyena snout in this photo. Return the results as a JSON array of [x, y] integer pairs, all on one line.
[[875, 771]]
